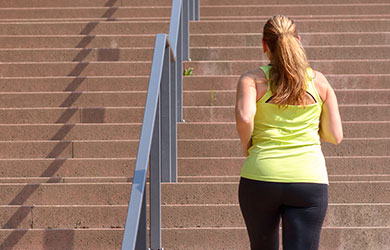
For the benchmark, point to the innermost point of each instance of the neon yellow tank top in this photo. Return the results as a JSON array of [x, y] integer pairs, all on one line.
[[286, 144]]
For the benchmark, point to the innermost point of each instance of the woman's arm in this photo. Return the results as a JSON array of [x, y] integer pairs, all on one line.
[[330, 122], [245, 110]]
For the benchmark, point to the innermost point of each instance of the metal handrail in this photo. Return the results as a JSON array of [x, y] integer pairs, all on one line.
[[163, 109]]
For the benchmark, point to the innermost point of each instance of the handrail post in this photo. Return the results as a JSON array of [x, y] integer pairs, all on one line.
[[179, 63], [166, 117], [174, 112], [197, 10], [192, 9], [141, 243], [186, 31], [155, 182]]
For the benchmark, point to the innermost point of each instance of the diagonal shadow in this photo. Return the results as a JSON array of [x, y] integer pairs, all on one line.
[[23, 211]]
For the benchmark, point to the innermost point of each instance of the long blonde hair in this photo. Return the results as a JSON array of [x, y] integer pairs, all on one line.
[[289, 63]]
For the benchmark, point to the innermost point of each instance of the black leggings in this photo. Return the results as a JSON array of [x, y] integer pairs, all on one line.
[[302, 207]]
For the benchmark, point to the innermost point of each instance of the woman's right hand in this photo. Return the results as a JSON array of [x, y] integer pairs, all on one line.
[[246, 147]]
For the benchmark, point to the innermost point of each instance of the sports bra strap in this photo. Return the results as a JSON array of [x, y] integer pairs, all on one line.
[[311, 89]]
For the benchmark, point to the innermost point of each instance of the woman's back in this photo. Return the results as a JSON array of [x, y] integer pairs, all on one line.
[[285, 140]]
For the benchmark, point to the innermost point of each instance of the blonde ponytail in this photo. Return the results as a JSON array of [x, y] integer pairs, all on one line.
[[289, 63]]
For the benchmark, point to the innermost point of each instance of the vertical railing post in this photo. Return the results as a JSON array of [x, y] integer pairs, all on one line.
[[179, 61], [141, 243], [166, 118], [186, 31], [192, 9], [155, 182], [197, 10], [174, 111]]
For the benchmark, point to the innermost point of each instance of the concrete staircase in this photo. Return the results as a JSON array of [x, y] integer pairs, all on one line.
[[73, 82]]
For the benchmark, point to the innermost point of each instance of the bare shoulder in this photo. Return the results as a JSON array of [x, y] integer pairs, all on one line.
[[257, 79], [321, 83], [255, 75]]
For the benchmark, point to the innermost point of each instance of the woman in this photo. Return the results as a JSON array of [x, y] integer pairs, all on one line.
[[282, 111]]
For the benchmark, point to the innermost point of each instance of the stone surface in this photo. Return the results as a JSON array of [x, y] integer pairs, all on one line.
[[73, 82]]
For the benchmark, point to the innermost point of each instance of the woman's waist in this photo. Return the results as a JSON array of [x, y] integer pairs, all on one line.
[[302, 149], [306, 167]]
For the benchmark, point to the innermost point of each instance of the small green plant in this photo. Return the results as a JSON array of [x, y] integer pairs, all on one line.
[[212, 98], [188, 71]]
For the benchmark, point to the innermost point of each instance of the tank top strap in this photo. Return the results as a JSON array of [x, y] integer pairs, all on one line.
[[268, 94]]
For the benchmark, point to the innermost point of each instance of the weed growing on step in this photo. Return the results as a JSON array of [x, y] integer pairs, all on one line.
[[212, 97], [188, 71]]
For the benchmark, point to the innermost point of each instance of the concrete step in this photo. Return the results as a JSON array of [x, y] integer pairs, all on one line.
[[70, 115], [83, 239], [196, 40], [331, 25], [332, 238], [45, 217], [134, 114], [74, 99], [70, 149], [207, 18], [226, 114], [70, 167], [145, 19], [346, 165], [101, 3], [131, 131], [379, 66], [365, 166], [261, 18], [76, 55], [74, 13], [43, 69], [124, 68], [185, 179], [226, 193], [230, 147], [229, 82], [200, 27], [312, 52], [186, 148], [77, 41], [111, 14], [85, 3], [190, 179], [177, 193], [228, 130], [197, 53], [74, 83], [203, 179], [286, 2], [124, 179], [291, 10], [118, 12], [307, 39], [140, 83], [137, 98], [84, 28]]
